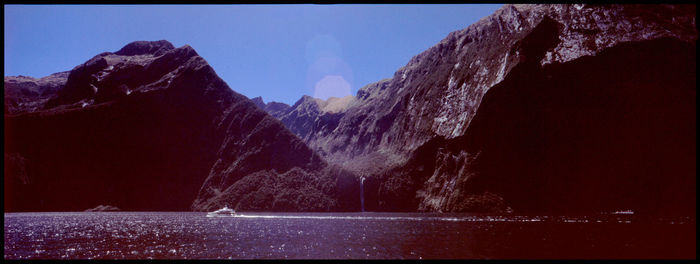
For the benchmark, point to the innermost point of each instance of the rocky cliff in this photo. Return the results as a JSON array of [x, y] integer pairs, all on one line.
[[152, 127], [27, 94], [439, 91], [590, 135], [565, 124]]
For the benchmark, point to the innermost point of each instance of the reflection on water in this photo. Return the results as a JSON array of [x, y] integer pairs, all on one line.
[[139, 235]]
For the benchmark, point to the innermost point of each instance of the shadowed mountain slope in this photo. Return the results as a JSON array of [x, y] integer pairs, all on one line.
[[152, 127]]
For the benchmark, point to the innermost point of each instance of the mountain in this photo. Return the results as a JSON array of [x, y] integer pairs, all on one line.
[[152, 127], [27, 94], [275, 109], [535, 108]]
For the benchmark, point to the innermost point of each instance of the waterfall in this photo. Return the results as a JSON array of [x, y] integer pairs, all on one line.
[[362, 193]]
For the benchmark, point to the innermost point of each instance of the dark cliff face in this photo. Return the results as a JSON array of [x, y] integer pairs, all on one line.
[[152, 127], [590, 135], [533, 155], [604, 132], [137, 149]]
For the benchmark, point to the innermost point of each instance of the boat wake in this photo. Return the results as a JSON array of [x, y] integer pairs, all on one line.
[[479, 218], [401, 218]]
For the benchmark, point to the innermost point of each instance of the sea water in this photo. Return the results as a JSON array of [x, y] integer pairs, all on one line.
[[192, 235]]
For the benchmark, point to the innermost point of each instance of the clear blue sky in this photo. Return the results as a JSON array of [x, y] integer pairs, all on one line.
[[279, 52]]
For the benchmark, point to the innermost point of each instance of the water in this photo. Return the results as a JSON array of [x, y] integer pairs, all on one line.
[[191, 235]]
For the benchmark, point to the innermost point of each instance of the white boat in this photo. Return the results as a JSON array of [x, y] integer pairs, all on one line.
[[222, 212], [627, 212]]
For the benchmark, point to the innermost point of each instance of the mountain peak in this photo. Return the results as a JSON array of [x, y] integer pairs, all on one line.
[[145, 47], [259, 102]]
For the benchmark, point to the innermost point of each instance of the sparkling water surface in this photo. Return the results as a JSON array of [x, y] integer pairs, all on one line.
[[192, 235]]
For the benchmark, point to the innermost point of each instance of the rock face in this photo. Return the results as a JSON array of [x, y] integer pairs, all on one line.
[[27, 94], [564, 128], [152, 127], [589, 135], [439, 91]]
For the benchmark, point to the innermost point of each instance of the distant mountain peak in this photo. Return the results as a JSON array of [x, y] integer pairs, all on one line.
[[146, 47], [259, 102]]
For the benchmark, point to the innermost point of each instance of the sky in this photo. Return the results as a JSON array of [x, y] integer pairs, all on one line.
[[279, 52]]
